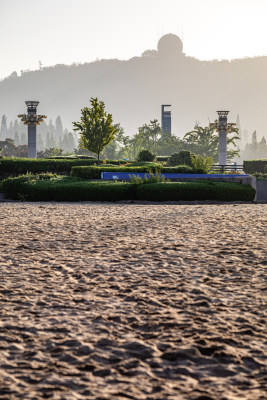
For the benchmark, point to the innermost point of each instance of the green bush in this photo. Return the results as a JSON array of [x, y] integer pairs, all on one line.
[[146, 155], [189, 191], [49, 187], [62, 188], [149, 178], [260, 176], [162, 158], [146, 164], [73, 157], [16, 166], [202, 162], [94, 172], [253, 166], [182, 158]]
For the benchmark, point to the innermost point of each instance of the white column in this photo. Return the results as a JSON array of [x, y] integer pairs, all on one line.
[[223, 148], [32, 153]]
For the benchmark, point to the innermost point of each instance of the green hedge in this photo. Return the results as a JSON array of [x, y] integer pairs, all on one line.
[[95, 172], [61, 188], [188, 191], [260, 176], [17, 166], [162, 158], [253, 166], [73, 157]]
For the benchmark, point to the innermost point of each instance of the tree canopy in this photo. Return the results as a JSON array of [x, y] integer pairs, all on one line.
[[96, 127]]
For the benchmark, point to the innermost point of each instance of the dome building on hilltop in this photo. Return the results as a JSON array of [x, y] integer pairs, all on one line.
[[170, 45]]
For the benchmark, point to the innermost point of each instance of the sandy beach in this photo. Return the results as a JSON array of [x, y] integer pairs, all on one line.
[[127, 301]]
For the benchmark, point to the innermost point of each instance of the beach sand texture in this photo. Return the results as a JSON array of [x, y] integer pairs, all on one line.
[[126, 301]]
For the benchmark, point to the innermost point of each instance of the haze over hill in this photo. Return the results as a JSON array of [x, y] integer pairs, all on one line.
[[134, 90]]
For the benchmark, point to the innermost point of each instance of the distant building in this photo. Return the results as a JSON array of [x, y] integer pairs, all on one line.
[[166, 120]]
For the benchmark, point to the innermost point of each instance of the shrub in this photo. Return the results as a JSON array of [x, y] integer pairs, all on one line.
[[94, 172], [63, 188], [17, 166], [150, 178], [253, 166], [181, 158], [188, 191], [162, 158], [144, 164], [73, 157], [260, 176], [146, 155], [202, 162]]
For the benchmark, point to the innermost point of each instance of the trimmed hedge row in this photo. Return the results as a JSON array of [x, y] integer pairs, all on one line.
[[162, 158], [59, 188], [219, 191], [253, 166], [17, 166], [94, 172], [73, 157]]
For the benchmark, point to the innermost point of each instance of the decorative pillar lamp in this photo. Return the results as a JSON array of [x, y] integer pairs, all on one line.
[[31, 119], [222, 127]]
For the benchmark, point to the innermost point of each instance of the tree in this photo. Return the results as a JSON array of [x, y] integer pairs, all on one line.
[[23, 139], [10, 131], [16, 139], [96, 127], [170, 144], [113, 150], [204, 141], [8, 149], [40, 142], [58, 128]]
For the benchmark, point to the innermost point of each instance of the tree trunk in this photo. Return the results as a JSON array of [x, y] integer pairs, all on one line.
[[98, 155]]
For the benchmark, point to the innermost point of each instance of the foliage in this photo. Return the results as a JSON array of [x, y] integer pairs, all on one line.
[[96, 127], [162, 158], [145, 155], [52, 152], [61, 188], [144, 164], [253, 166], [9, 149], [255, 149], [204, 141], [94, 172], [17, 166], [112, 150], [73, 157], [184, 157], [188, 191], [149, 138], [203, 163], [260, 176], [153, 177]]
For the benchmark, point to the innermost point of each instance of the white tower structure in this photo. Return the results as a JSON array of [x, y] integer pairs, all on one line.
[[32, 119]]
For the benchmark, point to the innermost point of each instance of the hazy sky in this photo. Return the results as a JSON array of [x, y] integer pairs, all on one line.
[[67, 31]]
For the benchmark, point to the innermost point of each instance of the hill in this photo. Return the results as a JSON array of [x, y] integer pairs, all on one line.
[[134, 90]]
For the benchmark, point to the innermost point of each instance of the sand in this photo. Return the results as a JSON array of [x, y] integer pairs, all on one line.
[[126, 301]]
